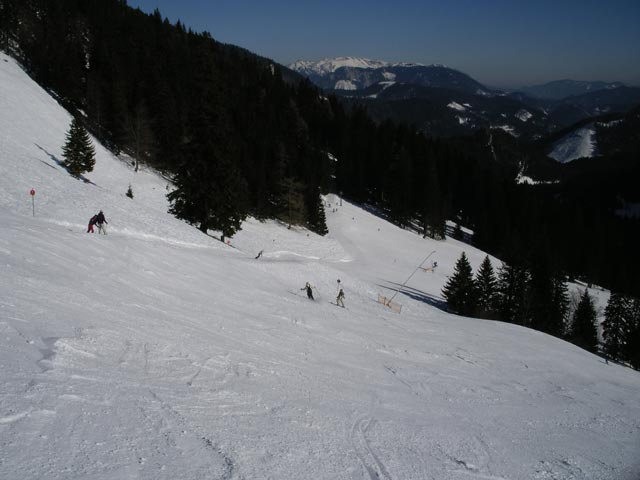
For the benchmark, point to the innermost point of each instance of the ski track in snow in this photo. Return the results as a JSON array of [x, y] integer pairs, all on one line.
[[156, 352], [368, 457]]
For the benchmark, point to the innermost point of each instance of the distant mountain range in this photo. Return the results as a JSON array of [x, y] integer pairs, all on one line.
[[560, 89], [445, 112], [442, 101], [352, 73]]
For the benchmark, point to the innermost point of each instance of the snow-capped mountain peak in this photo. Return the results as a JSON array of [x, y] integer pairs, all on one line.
[[355, 73], [330, 65]]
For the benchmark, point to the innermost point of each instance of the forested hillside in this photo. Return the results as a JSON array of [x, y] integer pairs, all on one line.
[[241, 135]]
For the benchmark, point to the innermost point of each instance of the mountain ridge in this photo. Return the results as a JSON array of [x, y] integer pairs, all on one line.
[[331, 64], [434, 86], [354, 73], [560, 89]]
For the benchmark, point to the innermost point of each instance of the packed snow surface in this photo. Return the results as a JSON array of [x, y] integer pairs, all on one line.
[[577, 144], [157, 352]]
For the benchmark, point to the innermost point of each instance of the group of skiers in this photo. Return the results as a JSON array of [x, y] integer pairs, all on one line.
[[98, 220], [339, 298], [309, 288]]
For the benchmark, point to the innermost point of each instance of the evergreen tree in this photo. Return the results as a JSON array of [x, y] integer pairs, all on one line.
[[513, 294], [583, 329], [460, 290], [632, 346], [486, 285], [139, 135], [209, 191], [616, 326], [547, 296], [433, 217], [291, 202], [559, 302], [316, 218], [78, 152], [398, 186]]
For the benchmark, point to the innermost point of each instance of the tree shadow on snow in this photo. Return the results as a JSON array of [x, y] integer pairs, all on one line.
[[60, 164], [418, 295]]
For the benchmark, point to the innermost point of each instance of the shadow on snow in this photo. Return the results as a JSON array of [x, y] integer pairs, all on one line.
[[61, 164], [418, 295]]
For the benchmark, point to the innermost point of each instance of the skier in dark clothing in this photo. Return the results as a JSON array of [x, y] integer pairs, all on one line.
[[340, 298], [101, 221], [92, 222], [309, 290]]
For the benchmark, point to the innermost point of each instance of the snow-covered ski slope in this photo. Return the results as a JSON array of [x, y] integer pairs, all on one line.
[[157, 352], [579, 143]]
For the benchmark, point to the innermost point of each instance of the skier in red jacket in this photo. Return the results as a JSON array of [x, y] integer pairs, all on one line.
[[92, 222]]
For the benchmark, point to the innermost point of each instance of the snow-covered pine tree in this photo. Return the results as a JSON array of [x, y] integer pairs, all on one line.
[[460, 290], [486, 285], [78, 152], [583, 329]]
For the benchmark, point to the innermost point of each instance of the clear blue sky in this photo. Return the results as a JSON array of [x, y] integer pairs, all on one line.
[[498, 42]]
